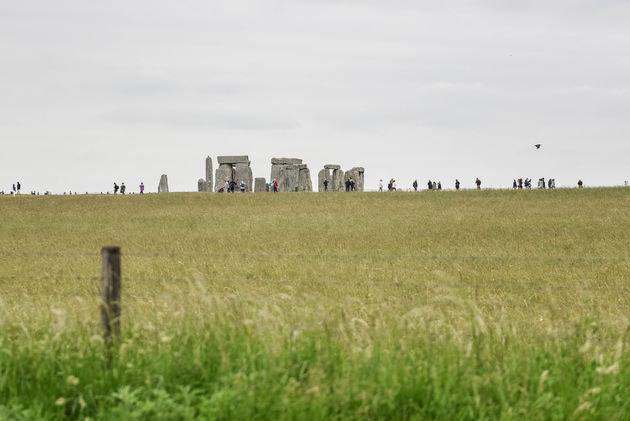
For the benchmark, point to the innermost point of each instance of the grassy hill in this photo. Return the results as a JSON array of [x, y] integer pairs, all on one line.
[[432, 305]]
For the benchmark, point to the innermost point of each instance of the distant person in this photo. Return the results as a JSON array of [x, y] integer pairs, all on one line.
[[325, 184], [116, 188], [19, 187], [352, 184], [242, 186], [226, 186], [393, 185], [275, 185], [439, 185], [478, 183], [520, 183], [456, 184], [141, 188], [514, 185], [380, 185], [429, 185], [232, 186], [14, 189], [415, 185], [122, 188], [434, 185], [580, 184]]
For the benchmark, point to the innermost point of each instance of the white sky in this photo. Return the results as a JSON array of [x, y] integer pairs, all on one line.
[[97, 92]]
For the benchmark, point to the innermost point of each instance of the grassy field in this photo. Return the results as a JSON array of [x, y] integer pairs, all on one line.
[[433, 305]]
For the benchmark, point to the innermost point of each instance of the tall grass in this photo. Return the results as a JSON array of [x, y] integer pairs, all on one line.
[[433, 305]]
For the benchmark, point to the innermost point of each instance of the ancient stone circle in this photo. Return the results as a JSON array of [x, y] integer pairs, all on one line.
[[291, 174]]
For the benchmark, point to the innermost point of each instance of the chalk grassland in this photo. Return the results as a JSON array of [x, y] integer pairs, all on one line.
[[434, 305]]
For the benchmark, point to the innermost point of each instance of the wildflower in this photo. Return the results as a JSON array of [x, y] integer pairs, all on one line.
[[72, 380], [60, 402], [82, 403]]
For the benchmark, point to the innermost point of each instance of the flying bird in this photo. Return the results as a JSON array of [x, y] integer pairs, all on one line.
[[537, 145]]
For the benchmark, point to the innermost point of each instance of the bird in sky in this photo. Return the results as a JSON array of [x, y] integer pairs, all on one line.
[[537, 145]]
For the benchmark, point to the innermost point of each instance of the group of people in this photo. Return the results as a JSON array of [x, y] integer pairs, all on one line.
[[230, 186], [350, 184], [391, 186], [123, 188]]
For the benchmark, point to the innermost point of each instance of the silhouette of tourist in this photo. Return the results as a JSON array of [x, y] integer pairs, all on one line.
[[429, 185], [456, 184], [439, 185], [478, 183], [415, 185], [514, 185], [275, 185], [122, 188], [325, 184], [141, 187], [116, 188], [19, 187], [580, 184]]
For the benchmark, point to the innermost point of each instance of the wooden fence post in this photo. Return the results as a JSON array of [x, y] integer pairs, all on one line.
[[110, 293]]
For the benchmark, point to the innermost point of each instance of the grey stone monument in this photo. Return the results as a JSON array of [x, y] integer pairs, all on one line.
[[291, 174], [163, 186], [260, 185], [234, 168], [324, 174], [209, 175], [337, 180], [357, 174]]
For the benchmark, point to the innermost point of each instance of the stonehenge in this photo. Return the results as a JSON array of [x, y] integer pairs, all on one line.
[[291, 174], [337, 178], [163, 186], [233, 168], [206, 185]]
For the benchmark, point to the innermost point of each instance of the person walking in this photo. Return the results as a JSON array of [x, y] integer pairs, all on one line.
[[275, 185], [14, 190], [514, 185], [122, 188], [478, 183], [430, 185], [242, 186], [393, 185], [439, 185], [141, 187], [19, 187], [325, 184], [116, 188], [415, 185], [380, 185], [456, 184]]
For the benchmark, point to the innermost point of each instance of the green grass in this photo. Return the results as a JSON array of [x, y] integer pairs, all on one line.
[[433, 305]]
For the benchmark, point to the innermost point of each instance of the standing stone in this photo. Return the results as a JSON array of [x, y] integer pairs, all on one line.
[[357, 175], [243, 172], [209, 181], [337, 181], [304, 179], [163, 186], [260, 185], [324, 175], [201, 185], [223, 174]]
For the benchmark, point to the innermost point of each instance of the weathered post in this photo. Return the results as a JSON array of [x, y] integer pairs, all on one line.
[[110, 293]]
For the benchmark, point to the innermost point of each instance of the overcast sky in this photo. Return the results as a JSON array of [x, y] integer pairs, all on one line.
[[96, 92]]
